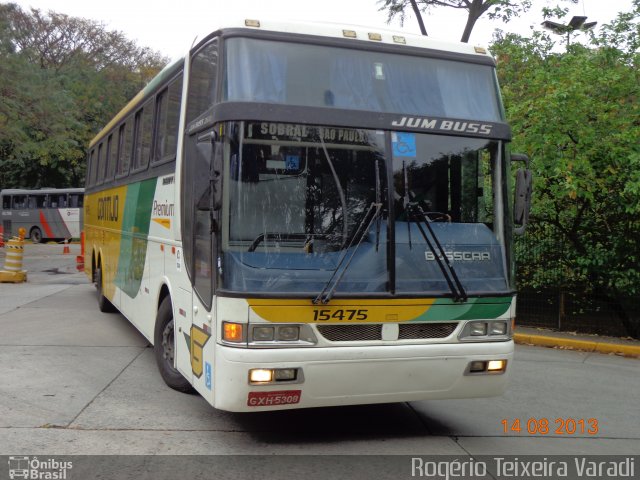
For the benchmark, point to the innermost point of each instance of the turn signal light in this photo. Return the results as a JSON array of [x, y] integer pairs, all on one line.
[[232, 332]]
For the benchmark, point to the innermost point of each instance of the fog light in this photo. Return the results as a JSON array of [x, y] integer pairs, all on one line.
[[263, 334], [288, 334], [232, 332], [496, 365], [498, 328], [477, 366], [285, 374], [478, 329], [260, 375]]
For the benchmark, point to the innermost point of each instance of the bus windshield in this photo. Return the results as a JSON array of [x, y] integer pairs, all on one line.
[[302, 198]]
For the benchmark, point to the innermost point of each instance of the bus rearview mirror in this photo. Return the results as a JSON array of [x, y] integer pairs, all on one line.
[[522, 204]]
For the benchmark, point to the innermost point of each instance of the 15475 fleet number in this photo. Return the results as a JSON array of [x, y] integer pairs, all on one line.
[[343, 315]]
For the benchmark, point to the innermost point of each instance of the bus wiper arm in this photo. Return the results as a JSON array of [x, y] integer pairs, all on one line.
[[330, 287], [448, 272]]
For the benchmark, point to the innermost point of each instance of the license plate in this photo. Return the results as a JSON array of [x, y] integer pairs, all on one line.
[[272, 399]]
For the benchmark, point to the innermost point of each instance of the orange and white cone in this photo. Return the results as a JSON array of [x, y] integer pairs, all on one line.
[[66, 247]]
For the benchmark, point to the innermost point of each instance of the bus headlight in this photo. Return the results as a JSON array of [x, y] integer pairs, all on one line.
[[264, 376], [288, 334], [478, 329], [486, 367], [263, 334], [281, 335], [498, 328], [486, 330]]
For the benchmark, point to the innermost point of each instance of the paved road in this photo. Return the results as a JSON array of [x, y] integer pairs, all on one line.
[[77, 381]]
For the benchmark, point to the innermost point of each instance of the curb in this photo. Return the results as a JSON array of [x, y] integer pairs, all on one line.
[[585, 345]]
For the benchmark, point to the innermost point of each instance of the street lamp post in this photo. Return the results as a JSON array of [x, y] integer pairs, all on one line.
[[576, 23]]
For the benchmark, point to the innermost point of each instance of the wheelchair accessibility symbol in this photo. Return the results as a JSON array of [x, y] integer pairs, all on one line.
[[404, 144]]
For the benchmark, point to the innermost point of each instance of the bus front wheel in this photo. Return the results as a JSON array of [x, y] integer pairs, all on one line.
[[164, 349], [35, 235]]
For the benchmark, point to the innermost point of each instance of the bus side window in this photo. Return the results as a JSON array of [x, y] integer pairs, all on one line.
[[6, 202], [167, 117], [98, 175], [19, 202], [143, 131], [74, 200], [91, 167], [125, 148], [112, 156], [202, 81]]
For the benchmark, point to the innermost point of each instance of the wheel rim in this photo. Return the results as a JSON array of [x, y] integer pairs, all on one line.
[[167, 344]]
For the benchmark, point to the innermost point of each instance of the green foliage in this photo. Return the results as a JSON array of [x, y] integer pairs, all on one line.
[[61, 79], [576, 115]]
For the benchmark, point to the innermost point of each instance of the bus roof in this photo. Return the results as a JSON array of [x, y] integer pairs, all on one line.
[[357, 32], [373, 35], [41, 191]]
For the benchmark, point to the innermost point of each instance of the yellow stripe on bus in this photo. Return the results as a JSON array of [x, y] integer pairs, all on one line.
[[340, 311]]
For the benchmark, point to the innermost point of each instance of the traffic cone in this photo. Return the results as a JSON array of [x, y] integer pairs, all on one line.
[[66, 247], [80, 258]]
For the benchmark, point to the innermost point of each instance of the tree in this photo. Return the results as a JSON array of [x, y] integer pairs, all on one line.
[[577, 116], [61, 79], [495, 9]]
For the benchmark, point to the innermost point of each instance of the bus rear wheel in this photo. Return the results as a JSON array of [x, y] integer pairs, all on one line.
[[164, 349], [104, 304], [35, 235]]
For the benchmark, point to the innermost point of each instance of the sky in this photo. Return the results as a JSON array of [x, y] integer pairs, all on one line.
[[171, 26]]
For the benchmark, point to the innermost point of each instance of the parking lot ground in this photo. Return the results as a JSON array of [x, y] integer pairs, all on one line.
[[77, 381]]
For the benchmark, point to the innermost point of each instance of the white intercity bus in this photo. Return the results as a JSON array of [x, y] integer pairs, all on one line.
[[304, 215]]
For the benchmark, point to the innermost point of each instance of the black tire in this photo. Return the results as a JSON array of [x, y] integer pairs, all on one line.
[[103, 302], [164, 349], [35, 235]]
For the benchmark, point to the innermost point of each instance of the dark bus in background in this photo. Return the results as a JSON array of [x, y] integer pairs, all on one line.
[[47, 213]]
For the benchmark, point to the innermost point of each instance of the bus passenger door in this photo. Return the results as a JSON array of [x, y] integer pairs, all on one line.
[[198, 213], [182, 317]]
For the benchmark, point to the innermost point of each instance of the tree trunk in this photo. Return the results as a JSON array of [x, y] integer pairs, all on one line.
[[418, 14], [476, 9]]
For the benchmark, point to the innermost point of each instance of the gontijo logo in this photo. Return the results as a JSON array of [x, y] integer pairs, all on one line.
[[108, 208], [34, 468]]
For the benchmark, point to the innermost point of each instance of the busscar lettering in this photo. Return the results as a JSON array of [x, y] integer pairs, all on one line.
[[421, 123], [460, 256], [108, 208]]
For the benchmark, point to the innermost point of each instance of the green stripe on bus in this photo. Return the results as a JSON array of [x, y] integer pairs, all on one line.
[[135, 231], [474, 308]]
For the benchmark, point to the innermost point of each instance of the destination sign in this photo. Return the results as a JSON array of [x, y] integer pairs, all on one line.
[[305, 133]]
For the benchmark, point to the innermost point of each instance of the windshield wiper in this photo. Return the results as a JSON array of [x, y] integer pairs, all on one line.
[[330, 287], [448, 272], [343, 200]]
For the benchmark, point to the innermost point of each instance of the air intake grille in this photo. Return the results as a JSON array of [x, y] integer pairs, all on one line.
[[351, 333], [426, 330], [408, 331]]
